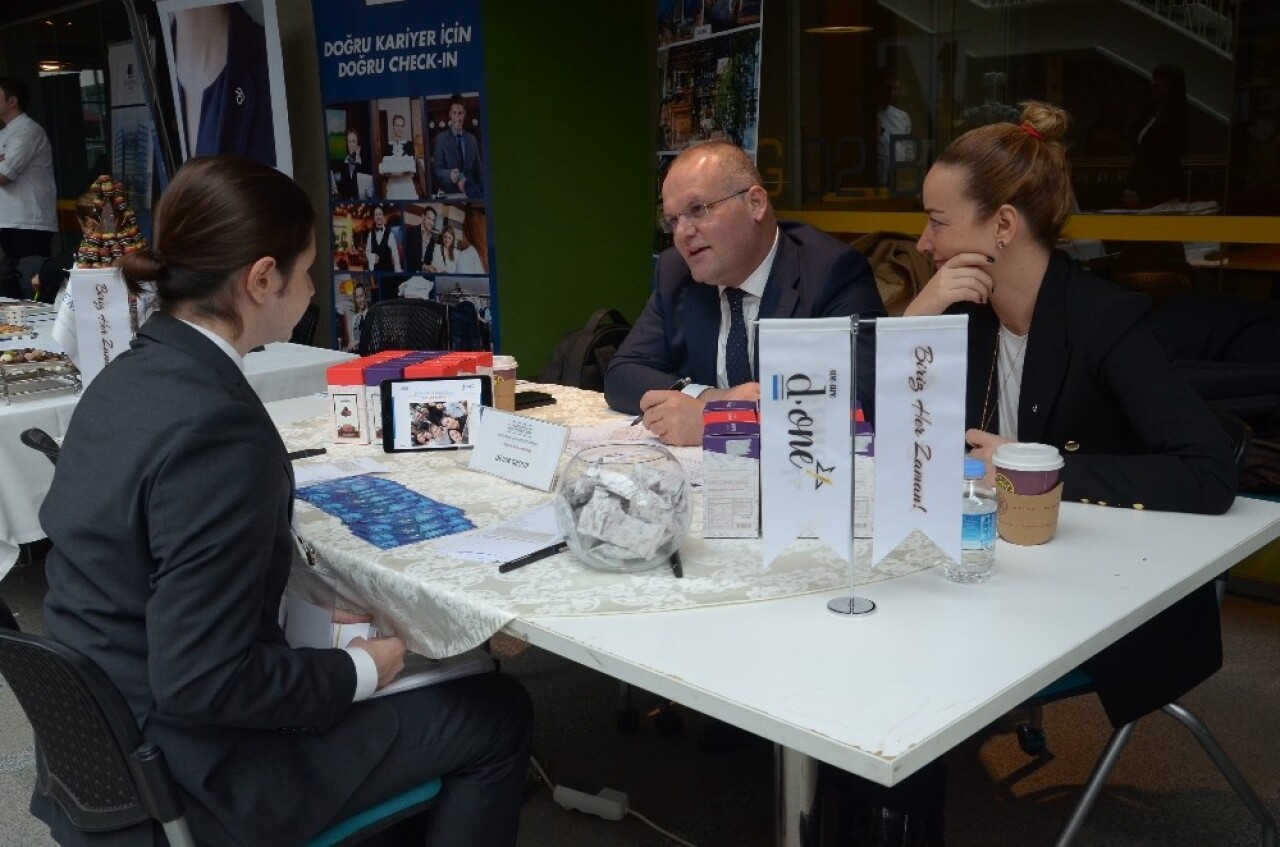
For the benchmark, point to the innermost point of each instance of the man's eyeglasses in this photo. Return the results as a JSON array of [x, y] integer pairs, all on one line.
[[697, 211]]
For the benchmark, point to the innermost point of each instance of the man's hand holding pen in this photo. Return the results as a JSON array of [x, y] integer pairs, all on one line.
[[676, 418]]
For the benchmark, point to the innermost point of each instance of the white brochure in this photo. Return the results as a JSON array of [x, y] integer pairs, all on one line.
[[517, 448], [920, 387], [806, 433]]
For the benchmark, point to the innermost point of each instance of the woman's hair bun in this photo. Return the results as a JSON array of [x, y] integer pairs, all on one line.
[[141, 266], [1050, 121]]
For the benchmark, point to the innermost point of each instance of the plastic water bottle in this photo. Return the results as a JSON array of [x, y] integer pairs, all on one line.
[[978, 537]]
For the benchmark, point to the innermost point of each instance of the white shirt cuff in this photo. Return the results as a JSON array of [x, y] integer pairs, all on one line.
[[366, 673], [695, 390]]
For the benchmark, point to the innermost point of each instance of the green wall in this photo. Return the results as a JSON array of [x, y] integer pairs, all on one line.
[[571, 144]]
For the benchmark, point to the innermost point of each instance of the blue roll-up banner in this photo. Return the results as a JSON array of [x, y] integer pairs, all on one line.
[[403, 86]]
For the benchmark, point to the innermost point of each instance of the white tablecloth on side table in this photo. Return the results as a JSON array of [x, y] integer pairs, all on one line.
[[279, 372]]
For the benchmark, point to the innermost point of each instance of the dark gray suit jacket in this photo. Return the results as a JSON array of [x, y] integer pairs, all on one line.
[[170, 521], [447, 156], [814, 276]]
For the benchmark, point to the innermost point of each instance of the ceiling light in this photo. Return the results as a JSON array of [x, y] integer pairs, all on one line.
[[838, 30]]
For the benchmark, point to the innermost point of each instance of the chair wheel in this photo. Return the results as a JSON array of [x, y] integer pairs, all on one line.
[[1031, 740], [668, 723], [628, 720]]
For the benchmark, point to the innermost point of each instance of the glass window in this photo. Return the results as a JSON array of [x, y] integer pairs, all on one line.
[[1173, 113]]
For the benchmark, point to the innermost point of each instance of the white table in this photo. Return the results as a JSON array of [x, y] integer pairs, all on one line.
[[885, 695], [278, 372]]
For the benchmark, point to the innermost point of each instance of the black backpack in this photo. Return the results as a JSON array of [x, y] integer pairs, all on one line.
[[580, 358]]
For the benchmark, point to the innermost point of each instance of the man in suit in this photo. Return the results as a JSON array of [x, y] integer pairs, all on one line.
[[346, 173], [457, 167], [382, 252], [420, 247], [728, 247]]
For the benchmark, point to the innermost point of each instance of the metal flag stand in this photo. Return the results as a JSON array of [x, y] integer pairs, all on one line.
[[853, 606]]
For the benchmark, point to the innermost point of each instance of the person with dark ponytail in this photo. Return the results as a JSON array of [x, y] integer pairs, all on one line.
[[1061, 357], [170, 515]]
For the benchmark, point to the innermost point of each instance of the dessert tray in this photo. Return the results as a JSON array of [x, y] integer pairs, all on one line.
[[30, 372], [11, 331]]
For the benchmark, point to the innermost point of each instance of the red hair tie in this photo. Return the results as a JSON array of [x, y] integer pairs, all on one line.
[[1032, 131]]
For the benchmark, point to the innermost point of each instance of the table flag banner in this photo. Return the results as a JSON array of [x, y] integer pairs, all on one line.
[[102, 324], [920, 386], [806, 443]]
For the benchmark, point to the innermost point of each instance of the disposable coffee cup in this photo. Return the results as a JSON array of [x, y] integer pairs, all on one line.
[[504, 383], [1027, 468], [1028, 492], [15, 314]]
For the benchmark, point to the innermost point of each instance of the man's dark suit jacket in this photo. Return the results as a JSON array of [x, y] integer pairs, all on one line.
[[1097, 385], [170, 521], [413, 258], [447, 157], [813, 276]]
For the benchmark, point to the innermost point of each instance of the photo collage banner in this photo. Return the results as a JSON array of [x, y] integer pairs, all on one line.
[[404, 120]]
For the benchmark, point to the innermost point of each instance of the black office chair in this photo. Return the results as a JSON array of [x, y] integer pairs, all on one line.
[[39, 440], [404, 324], [1031, 736], [305, 330], [464, 326], [92, 761]]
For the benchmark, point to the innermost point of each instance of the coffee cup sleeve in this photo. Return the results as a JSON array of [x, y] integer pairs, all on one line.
[[1028, 519]]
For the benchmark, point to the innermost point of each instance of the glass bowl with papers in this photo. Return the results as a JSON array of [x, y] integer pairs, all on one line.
[[623, 507]]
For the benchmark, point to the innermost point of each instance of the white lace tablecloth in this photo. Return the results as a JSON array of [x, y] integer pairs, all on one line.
[[443, 605]]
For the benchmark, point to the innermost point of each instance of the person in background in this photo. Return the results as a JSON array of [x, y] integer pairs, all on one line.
[[28, 198], [49, 285], [224, 90], [347, 173], [172, 547], [448, 262], [382, 251], [355, 316], [1061, 357], [890, 121], [420, 244], [732, 263], [1156, 174], [458, 168], [400, 179], [468, 259]]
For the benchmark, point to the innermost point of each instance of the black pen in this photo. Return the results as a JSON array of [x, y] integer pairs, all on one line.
[[306, 454], [676, 567], [544, 553], [680, 383]]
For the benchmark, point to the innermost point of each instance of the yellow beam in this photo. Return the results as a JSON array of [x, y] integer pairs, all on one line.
[[1237, 229]]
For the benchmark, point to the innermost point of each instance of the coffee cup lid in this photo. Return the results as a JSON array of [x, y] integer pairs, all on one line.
[[1027, 457]]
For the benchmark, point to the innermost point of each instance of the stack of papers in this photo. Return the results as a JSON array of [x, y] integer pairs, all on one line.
[[512, 539]]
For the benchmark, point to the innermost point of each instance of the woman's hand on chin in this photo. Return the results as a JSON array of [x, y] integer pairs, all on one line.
[[965, 277]]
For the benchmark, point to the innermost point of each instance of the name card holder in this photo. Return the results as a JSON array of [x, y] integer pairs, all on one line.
[[520, 449]]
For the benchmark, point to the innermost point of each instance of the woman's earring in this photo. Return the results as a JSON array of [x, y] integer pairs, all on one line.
[[999, 245]]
